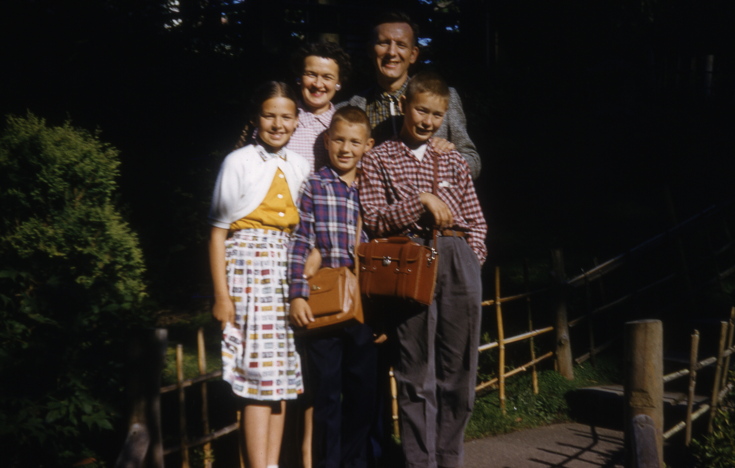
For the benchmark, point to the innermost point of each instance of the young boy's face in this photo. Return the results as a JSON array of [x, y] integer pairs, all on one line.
[[346, 143], [423, 115]]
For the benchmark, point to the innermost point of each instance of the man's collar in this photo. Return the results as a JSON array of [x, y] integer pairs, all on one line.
[[382, 94]]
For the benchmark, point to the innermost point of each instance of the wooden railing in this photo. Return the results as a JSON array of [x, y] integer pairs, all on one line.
[[715, 223], [644, 389], [720, 387], [563, 297]]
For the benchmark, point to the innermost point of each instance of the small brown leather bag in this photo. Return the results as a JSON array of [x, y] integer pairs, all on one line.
[[398, 267], [334, 298], [334, 295]]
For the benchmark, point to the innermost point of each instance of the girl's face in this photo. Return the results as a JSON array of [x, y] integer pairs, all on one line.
[[319, 83], [276, 122]]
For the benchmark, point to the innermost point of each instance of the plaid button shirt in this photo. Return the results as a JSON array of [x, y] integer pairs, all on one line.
[[329, 211], [307, 139], [384, 112], [392, 180]]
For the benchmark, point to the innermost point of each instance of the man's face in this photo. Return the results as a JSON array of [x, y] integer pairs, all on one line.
[[423, 115], [393, 51]]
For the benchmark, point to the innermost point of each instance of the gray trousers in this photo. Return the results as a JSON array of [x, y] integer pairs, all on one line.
[[437, 362]]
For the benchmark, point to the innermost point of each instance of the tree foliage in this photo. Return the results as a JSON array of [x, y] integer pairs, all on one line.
[[70, 286]]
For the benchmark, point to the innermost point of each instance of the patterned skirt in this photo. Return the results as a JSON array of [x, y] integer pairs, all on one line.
[[259, 358]]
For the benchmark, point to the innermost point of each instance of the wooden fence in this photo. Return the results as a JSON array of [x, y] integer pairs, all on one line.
[[644, 389], [662, 274], [708, 235], [720, 386]]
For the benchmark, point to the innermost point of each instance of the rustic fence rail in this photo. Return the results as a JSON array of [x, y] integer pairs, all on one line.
[[709, 236], [585, 296], [644, 388]]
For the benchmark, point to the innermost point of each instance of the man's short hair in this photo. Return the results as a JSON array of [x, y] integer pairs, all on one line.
[[328, 50], [395, 16], [351, 115], [427, 82]]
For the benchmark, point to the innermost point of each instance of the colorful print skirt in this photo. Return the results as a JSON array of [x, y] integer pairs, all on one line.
[[259, 358]]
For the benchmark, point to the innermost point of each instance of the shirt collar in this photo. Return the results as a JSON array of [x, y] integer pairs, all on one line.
[[307, 116], [382, 95], [330, 176], [265, 155]]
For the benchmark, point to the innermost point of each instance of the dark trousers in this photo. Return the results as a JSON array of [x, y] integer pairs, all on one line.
[[342, 383], [437, 362]]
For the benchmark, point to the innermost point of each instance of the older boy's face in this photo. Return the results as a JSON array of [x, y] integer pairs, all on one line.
[[423, 115], [346, 143]]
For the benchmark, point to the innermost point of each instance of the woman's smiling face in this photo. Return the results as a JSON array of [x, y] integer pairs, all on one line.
[[319, 82]]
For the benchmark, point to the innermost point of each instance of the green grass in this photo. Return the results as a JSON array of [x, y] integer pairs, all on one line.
[[525, 410]]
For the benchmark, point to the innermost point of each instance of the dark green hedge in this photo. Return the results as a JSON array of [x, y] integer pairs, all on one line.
[[70, 288]]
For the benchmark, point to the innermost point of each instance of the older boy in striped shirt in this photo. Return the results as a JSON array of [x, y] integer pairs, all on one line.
[[437, 359]]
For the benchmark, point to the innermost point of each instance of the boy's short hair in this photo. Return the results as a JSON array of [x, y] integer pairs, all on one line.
[[427, 82], [352, 115]]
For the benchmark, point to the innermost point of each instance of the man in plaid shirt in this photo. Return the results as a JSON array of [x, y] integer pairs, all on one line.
[[393, 49], [437, 345], [341, 375]]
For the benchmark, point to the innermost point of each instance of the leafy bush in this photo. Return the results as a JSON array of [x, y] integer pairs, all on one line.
[[717, 450], [70, 287]]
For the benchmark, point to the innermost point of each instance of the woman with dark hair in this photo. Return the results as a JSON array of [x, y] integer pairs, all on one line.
[[320, 68]]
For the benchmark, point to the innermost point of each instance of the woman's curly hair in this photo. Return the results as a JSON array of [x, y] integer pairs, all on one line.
[[328, 50]]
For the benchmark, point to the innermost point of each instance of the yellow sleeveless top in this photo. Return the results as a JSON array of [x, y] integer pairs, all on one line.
[[277, 211]]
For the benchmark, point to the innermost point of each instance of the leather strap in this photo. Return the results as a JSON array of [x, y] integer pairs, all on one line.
[[358, 231], [435, 190], [452, 233]]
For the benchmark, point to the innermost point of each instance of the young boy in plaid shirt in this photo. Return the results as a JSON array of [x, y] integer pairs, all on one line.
[[341, 364], [437, 345]]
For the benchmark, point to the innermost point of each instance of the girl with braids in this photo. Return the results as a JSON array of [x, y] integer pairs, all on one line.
[[252, 214]]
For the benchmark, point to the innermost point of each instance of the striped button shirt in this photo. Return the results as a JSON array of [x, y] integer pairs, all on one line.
[[329, 210], [392, 180]]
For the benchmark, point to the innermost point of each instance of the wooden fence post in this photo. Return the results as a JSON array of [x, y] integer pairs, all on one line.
[[501, 342], [531, 343], [693, 360], [183, 435], [144, 443], [644, 390], [202, 364], [563, 344], [718, 380]]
